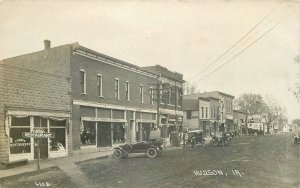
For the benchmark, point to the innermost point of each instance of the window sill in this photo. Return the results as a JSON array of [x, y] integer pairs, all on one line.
[[83, 94]]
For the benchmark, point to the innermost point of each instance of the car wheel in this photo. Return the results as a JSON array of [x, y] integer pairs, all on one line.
[[151, 152], [118, 154]]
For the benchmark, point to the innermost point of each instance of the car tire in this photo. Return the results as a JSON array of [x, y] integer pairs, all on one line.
[[117, 154], [151, 152]]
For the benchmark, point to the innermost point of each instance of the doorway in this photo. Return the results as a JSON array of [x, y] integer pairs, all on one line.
[[104, 134]]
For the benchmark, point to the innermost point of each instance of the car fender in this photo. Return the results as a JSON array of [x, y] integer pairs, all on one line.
[[122, 149]]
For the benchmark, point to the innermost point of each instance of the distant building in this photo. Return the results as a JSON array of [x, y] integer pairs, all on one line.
[[215, 112], [239, 118]]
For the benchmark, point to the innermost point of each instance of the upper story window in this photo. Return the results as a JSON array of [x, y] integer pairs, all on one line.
[[202, 112], [82, 81], [141, 93], [127, 91], [117, 89], [188, 114], [99, 85], [206, 112], [151, 96]]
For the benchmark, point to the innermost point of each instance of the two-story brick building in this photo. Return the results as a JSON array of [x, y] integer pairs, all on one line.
[[111, 101], [170, 106]]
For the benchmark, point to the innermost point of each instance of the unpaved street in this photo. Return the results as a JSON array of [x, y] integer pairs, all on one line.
[[270, 161]]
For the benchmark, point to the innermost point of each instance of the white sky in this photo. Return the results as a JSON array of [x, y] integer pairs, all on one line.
[[184, 36]]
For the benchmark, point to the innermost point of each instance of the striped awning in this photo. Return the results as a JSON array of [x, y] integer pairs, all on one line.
[[36, 113]]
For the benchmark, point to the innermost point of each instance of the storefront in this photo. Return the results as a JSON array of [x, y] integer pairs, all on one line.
[[145, 123], [102, 132], [19, 122]]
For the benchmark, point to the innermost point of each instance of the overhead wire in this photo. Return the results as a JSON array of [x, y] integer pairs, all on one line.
[[228, 61], [236, 43]]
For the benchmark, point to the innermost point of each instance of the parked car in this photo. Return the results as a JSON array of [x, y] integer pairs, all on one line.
[[152, 149], [195, 137]]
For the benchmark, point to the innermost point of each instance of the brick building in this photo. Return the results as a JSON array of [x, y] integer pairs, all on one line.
[[111, 101], [170, 106], [32, 99]]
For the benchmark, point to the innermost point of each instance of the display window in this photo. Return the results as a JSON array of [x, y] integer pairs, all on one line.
[[88, 133], [18, 144], [58, 143], [118, 132]]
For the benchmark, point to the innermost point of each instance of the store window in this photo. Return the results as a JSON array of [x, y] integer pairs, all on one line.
[[88, 133], [118, 132], [58, 143], [18, 144]]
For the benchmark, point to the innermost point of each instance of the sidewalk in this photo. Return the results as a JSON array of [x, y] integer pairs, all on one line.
[[67, 164], [63, 163]]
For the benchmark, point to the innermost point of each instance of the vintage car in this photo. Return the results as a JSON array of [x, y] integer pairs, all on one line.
[[152, 149], [297, 139], [195, 137]]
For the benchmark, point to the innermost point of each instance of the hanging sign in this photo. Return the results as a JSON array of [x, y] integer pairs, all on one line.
[[38, 133]]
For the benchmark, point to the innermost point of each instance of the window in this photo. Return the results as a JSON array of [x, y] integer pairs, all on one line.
[[118, 132], [141, 93], [117, 94], [58, 143], [99, 85], [202, 112], [18, 144], [188, 114], [127, 92], [206, 112], [88, 133], [151, 96], [82, 81]]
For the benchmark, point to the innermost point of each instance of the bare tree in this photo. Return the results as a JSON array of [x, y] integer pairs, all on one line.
[[296, 89], [250, 103], [274, 111], [190, 88]]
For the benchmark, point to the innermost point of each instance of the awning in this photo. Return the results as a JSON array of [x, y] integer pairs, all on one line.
[[35, 113]]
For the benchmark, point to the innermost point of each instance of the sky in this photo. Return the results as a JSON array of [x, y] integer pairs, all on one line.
[[184, 36]]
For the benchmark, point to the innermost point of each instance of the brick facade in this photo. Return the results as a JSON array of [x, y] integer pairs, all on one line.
[[24, 89]]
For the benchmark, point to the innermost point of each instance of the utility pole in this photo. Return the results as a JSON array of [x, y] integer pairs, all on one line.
[[158, 102]]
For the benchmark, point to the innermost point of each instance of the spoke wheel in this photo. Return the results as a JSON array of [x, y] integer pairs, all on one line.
[[151, 153], [117, 154]]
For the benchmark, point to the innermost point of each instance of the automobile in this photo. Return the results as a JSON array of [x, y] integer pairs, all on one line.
[[195, 137], [152, 149]]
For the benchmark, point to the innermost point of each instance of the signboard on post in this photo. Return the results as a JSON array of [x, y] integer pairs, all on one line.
[[38, 133]]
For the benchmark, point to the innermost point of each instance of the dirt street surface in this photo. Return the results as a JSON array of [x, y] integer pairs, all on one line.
[[270, 161], [257, 161], [50, 177]]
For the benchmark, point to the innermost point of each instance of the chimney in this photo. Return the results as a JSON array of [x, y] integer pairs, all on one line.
[[47, 44]]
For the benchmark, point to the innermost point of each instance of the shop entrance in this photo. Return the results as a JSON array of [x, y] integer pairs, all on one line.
[[43, 148], [104, 134]]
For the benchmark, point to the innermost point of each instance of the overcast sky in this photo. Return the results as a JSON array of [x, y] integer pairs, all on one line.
[[184, 36]]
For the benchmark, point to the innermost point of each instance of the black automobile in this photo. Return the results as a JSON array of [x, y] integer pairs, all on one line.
[[195, 137], [152, 149]]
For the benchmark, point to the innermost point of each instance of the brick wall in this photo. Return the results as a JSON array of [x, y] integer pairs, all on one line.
[[109, 73], [26, 89]]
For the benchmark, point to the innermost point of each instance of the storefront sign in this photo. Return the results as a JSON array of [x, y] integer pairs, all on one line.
[[38, 133], [145, 121], [103, 119]]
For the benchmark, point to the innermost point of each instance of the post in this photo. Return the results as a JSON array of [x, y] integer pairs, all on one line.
[[246, 123], [38, 154], [158, 103]]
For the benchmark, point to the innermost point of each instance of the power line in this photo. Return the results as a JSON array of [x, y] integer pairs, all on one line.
[[241, 51], [235, 44]]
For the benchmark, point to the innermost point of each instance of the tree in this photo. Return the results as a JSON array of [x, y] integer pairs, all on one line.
[[254, 104], [274, 111], [190, 88], [296, 89], [250, 103]]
